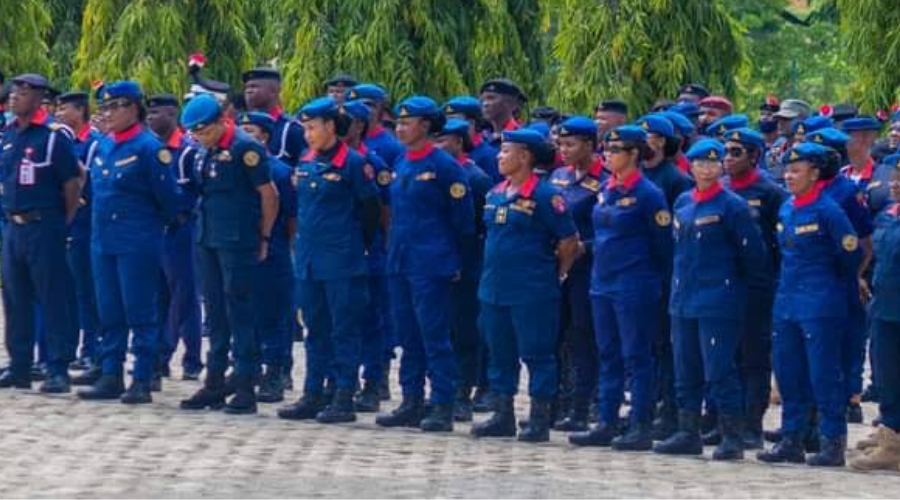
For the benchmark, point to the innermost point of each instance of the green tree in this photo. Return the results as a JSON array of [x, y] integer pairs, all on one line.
[[24, 28], [872, 36]]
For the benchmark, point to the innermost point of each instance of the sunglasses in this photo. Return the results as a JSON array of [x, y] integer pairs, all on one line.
[[735, 152]]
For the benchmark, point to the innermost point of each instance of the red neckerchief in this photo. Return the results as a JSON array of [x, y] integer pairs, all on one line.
[[707, 194], [422, 153], [338, 160], [511, 124], [276, 112], [40, 117], [527, 188], [84, 133], [174, 141], [894, 210], [462, 159], [476, 140], [745, 181], [810, 196], [865, 174], [627, 183], [131, 133], [375, 131], [683, 164], [228, 136]]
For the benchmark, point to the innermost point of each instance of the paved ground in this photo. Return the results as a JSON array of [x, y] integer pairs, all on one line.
[[57, 446]]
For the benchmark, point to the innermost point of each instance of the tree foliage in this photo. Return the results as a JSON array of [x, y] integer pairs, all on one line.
[[870, 29], [25, 26]]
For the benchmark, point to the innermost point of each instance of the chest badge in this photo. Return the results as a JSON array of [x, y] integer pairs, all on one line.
[[251, 159], [500, 216], [457, 190], [663, 218], [164, 156], [850, 243]]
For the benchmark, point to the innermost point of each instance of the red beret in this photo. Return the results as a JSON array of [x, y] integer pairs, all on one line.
[[717, 102]]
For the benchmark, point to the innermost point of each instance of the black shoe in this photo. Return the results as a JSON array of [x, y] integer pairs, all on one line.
[[81, 364], [773, 436], [191, 373], [854, 413], [708, 422], [271, 387], [462, 407], [753, 429], [138, 393], [38, 373], [732, 445], [206, 397], [664, 427], [56, 384], [481, 401], [870, 394], [502, 422], [812, 441], [685, 441], [577, 418], [306, 408], [712, 438], [8, 380], [88, 377], [538, 430], [156, 383], [831, 454], [636, 439], [408, 414], [438, 419], [340, 410], [368, 400], [599, 435], [242, 403], [786, 450], [106, 387], [230, 385]]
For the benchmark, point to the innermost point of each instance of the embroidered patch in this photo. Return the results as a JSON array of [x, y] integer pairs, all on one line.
[[709, 219], [850, 243], [663, 218], [457, 190], [559, 204], [754, 203], [626, 202], [426, 176], [591, 184], [251, 159], [806, 229], [384, 178], [331, 176], [164, 156]]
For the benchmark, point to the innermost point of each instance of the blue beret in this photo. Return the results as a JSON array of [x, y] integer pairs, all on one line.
[[123, 89], [861, 123], [682, 124], [831, 137], [162, 100], [455, 126], [356, 110], [321, 107], [686, 108], [369, 91], [726, 123], [657, 124], [418, 106], [706, 149], [261, 120], [541, 127], [32, 80], [627, 133], [813, 123], [525, 136], [261, 73], [580, 126], [465, 105], [806, 151], [200, 112], [747, 137]]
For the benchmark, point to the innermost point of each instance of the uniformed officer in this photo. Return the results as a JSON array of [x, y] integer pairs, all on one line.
[[134, 198], [337, 86], [632, 233], [378, 138], [273, 292], [262, 87], [878, 196], [378, 337], [713, 108], [820, 254], [718, 128], [719, 255], [743, 149], [73, 111], [579, 182], [181, 305], [530, 247], [692, 93], [337, 214], [238, 206], [482, 153], [685, 132], [40, 195], [501, 101], [609, 114], [455, 140], [863, 132], [431, 209]]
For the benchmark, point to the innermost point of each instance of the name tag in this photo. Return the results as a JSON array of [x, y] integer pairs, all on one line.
[[754, 203], [873, 185], [126, 161], [560, 182], [591, 184], [26, 173], [709, 219], [331, 176], [806, 229], [525, 208], [626, 202], [426, 176], [500, 216]]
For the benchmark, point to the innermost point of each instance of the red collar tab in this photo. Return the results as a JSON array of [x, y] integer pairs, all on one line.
[[276, 112], [84, 133], [710, 193], [40, 117], [476, 140], [337, 160], [228, 137], [596, 167], [340, 158], [131, 133], [527, 188], [628, 183], [894, 210], [866, 172], [811, 196], [745, 181], [511, 124], [422, 153], [462, 159], [375, 132], [683, 164], [174, 141], [362, 149]]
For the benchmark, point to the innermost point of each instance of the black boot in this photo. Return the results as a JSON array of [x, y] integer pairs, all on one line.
[[753, 428], [209, 396], [600, 434], [9, 379], [56, 384], [636, 439], [686, 441], [244, 400], [502, 423], [106, 387], [271, 386], [439, 419], [138, 393], [230, 386], [577, 419], [854, 413], [462, 407], [408, 414], [665, 425], [340, 410], [369, 399], [789, 449], [306, 408], [712, 438], [538, 430], [732, 445], [831, 454], [481, 401], [89, 376]]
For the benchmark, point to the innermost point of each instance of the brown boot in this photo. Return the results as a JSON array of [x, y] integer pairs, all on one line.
[[885, 456]]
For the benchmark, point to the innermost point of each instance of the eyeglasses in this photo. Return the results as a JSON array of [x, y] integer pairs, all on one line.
[[735, 152], [111, 106], [614, 150]]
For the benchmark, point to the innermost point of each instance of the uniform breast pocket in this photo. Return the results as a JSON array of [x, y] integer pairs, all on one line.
[[627, 219]]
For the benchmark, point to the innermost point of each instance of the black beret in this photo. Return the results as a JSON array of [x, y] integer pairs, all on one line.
[[79, 98], [342, 79], [262, 73], [694, 89], [32, 79], [505, 87], [613, 105], [162, 100]]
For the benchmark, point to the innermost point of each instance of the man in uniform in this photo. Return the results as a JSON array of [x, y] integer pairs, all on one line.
[[692, 92], [608, 115], [337, 86], [378, 138], [40, 193], [501, 101], [482, 153], [713, 108], [262, 87]]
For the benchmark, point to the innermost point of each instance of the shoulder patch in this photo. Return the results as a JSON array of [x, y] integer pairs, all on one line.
[[251, 158], [384, 178], [164, 156], [663, 218], [850, 243], [558, 203], [457, 190]]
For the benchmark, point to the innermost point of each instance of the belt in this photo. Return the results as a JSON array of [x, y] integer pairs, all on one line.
[[23, 218]]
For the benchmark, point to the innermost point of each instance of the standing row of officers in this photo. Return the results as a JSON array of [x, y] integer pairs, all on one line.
[[678, 259]]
